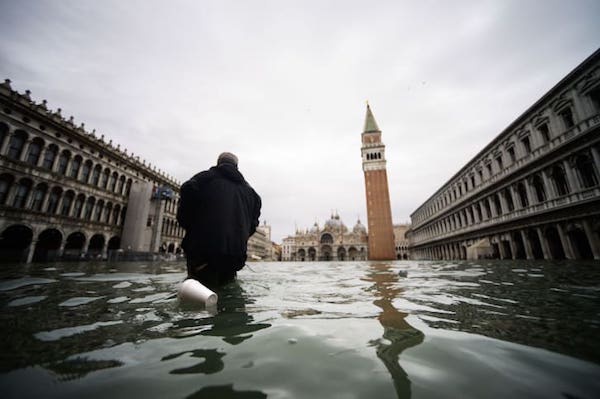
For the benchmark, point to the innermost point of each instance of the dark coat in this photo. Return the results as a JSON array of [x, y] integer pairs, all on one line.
[[219, 212]]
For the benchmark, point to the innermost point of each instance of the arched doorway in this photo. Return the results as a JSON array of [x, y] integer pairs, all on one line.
[[554, 243], [519, 246], [352, 253], [171, 248], [14, 242], [326, 253], [301, 255], [536, 245], [74, 246], [341, 253], [326, 239], [96, 245], [580, 243], [312, 254], [48, 246]]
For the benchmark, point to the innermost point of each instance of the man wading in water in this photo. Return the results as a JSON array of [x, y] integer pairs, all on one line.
[[219, 212]]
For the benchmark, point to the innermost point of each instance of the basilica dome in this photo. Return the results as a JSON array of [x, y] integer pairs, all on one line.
[[359, 228]]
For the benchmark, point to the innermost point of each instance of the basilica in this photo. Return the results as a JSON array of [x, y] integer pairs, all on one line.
[[334, 241]]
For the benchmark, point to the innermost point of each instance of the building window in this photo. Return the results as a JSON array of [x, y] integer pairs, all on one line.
[[544, 132], [560, 180], [472, 182], [96, 175], [77, 207], [85, 171], [49, 157], [5, 183], [499, 163], [498, 205], [66, 204], [540, 190], [35, 149], [63, 161], [526, 144], [16, 145], [509, 200], [21, 194], [3, 133], [99, 209], [489, 169], [595, 97], [38, 197], [567, 117], [523, 195], [511, 154], [104, 181], [53, 200], [149, 221], [586, 171], [75, 165]]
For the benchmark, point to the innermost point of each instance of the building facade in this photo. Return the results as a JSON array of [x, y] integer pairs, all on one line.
[[401, 241], [333, 242], [67, 193], [533, 192], [379, 211]]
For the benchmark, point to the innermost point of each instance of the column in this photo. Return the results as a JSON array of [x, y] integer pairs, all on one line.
[[550, 192], [484, 215], [527, 244], [595, 155], [571, 177], [61, 250], [501, 247], [4, 147], [84, 250], [31, 250], [105, 250], [515, 198], [592, 237], [475, 214], [513, 246], [12, 191], [566, 243], [530, 197], [545, 249], [25, 150]]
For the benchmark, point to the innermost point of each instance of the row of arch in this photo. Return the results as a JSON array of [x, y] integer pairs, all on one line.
[[26, 194], [572, 240], [19, 244], [19, 147], [561, 179], [171, 227], [327, 253]]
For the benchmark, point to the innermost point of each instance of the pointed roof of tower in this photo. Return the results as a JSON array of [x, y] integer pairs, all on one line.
[[370, 124]]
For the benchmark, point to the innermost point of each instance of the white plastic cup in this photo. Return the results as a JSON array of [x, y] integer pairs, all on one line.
[[192, 291]]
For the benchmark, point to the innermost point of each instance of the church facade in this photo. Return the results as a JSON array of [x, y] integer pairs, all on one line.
[[332, 242]]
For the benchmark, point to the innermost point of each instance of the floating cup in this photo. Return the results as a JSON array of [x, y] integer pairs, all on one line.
[[191, 291]]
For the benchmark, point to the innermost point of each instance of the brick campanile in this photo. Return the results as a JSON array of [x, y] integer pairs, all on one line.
[[379, 211]]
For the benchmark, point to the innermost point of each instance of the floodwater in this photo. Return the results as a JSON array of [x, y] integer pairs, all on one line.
[[303, 330]]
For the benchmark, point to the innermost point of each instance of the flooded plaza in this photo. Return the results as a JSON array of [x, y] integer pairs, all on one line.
[[303, 330]]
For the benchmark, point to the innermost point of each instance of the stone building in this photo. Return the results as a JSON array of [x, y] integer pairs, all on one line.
[[533, 192], [401, 241], [260, 246], [67, 193], [379, 211], [332, 242]]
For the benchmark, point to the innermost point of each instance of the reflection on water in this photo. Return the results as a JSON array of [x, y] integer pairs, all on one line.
[[303, 330], [398, 335]]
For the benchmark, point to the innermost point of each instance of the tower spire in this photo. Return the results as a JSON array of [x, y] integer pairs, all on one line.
[[370, 124]]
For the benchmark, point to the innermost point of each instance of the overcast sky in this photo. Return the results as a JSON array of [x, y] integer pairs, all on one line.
[[283, 84]]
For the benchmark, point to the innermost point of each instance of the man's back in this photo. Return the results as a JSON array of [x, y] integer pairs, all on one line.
[[219, 211]]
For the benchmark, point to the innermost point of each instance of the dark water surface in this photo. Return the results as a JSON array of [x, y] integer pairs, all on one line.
[[303, 330]]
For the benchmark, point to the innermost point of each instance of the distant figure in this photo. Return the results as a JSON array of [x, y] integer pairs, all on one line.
[[219, 211]]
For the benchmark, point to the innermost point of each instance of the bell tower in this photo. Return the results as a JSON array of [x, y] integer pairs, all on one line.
[[379, 211]]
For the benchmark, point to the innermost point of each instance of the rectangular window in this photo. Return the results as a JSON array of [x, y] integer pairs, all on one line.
[[595, 97], [149, 222], [480, 173], [472, 181], [489, 169], [499, 163], [567, 117], [526, 144], [511, 154], [544, 132]]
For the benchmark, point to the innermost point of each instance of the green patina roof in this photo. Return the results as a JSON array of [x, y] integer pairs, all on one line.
[[370, 124]]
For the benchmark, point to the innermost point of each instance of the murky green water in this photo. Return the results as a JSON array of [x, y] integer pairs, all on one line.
[[303, 330]]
